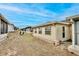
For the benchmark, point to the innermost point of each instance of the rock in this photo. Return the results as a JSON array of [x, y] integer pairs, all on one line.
[[11, 52], [57, 43]]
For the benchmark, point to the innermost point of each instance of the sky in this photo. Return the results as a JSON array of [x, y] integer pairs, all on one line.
[[32, 14]]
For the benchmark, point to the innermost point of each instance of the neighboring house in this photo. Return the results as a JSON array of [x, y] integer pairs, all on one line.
[[75, 34], [16, 28], [53, 32], [27, 29], [11, 28], [3, 27]]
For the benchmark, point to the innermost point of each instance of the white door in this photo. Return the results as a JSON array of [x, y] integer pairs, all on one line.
[[77, 32]]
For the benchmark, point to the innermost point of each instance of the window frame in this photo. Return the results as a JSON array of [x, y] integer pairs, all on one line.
[[35, 30], [63, 32], [48, 30], [40, 30]]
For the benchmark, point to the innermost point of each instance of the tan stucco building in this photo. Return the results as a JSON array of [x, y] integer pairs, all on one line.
[[27, 29], [11, 28], [53, 32], [75, 34], [3, 27]]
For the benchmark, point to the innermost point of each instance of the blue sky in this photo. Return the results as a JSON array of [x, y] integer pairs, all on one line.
[[26, 14]]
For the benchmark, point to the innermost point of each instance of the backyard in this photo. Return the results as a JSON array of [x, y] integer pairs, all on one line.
[[27, 45]]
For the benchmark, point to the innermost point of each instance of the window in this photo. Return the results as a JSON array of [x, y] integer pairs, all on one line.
[[35, 30], [48, 30], [63, 33], [40, 30]]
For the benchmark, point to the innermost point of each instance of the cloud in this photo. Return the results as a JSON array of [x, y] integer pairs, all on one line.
[[73, 10], [10, 8], [35, 14], [31, 11]]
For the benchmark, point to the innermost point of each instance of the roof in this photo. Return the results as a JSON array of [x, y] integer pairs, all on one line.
[[51, 23], [27, 27], [3, 18], [72, 17]]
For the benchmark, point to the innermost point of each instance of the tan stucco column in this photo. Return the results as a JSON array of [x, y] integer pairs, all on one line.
[[43, 30], [73, 33]]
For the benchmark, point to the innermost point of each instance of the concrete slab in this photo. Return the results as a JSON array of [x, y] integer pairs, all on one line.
[[74, 49], [3, 37]]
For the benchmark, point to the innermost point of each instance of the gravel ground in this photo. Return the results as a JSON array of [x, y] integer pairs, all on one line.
[[27, 45]]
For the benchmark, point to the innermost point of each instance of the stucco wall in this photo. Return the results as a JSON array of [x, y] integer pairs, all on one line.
[[2, 36], [3, 27], [56, 34], [49, 38], [28, 30], [10, 28], [59, 32]]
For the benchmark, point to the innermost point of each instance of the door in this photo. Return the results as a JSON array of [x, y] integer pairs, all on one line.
[[77, 32]]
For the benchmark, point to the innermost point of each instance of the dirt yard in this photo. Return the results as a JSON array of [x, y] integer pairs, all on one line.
[[27, 45]]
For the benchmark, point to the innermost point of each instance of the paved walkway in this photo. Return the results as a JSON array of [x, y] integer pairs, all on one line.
[[25, 45]]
